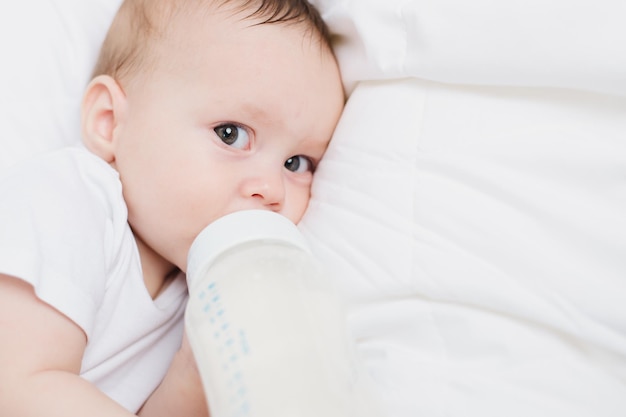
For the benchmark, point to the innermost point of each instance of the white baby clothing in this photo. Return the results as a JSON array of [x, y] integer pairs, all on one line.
[[63, 229]]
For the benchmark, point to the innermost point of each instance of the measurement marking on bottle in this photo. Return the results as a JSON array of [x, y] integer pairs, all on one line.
[[245, 348], [228, 350]]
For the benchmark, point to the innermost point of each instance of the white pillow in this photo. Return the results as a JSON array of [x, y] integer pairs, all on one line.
[[557, 43], [49, 49], [475, 224]]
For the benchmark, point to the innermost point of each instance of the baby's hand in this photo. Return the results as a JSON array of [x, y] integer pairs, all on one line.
[[180, 392]]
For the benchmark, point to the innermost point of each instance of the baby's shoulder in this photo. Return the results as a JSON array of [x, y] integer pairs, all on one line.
[[70, 188], [70, 176]]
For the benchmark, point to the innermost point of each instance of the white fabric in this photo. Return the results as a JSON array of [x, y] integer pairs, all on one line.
[[471, 209], [49, 48], [536, 43], [65, 231], [478, 235]]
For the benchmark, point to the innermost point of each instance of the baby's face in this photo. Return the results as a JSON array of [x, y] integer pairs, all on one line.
[[233, 117]]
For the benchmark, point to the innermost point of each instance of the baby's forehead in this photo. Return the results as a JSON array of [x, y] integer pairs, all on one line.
[[144, 31]]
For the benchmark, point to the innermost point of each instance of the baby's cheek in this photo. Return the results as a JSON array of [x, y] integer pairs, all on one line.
[[296, 205]]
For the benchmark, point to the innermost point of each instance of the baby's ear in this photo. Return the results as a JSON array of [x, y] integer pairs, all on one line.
[[103, 108]]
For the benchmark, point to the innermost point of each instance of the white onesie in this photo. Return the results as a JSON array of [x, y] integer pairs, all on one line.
[[63, 229]]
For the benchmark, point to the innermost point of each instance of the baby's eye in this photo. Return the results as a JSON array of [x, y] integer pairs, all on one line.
[[299, 164], [233, 135]]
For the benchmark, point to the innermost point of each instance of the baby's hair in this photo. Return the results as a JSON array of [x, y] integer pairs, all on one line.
[[126, 48]]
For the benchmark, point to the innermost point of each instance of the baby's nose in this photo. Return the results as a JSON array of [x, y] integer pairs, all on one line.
[[267, 187]]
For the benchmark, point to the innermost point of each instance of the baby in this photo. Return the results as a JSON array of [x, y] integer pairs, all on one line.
[[197, 108]]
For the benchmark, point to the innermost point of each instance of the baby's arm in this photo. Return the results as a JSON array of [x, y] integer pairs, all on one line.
[[40, 358], [180, 393]]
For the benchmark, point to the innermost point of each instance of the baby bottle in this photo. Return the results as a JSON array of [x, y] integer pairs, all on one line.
[[265, 325]]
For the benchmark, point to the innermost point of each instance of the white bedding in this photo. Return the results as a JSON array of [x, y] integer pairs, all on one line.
[[472, 203]]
